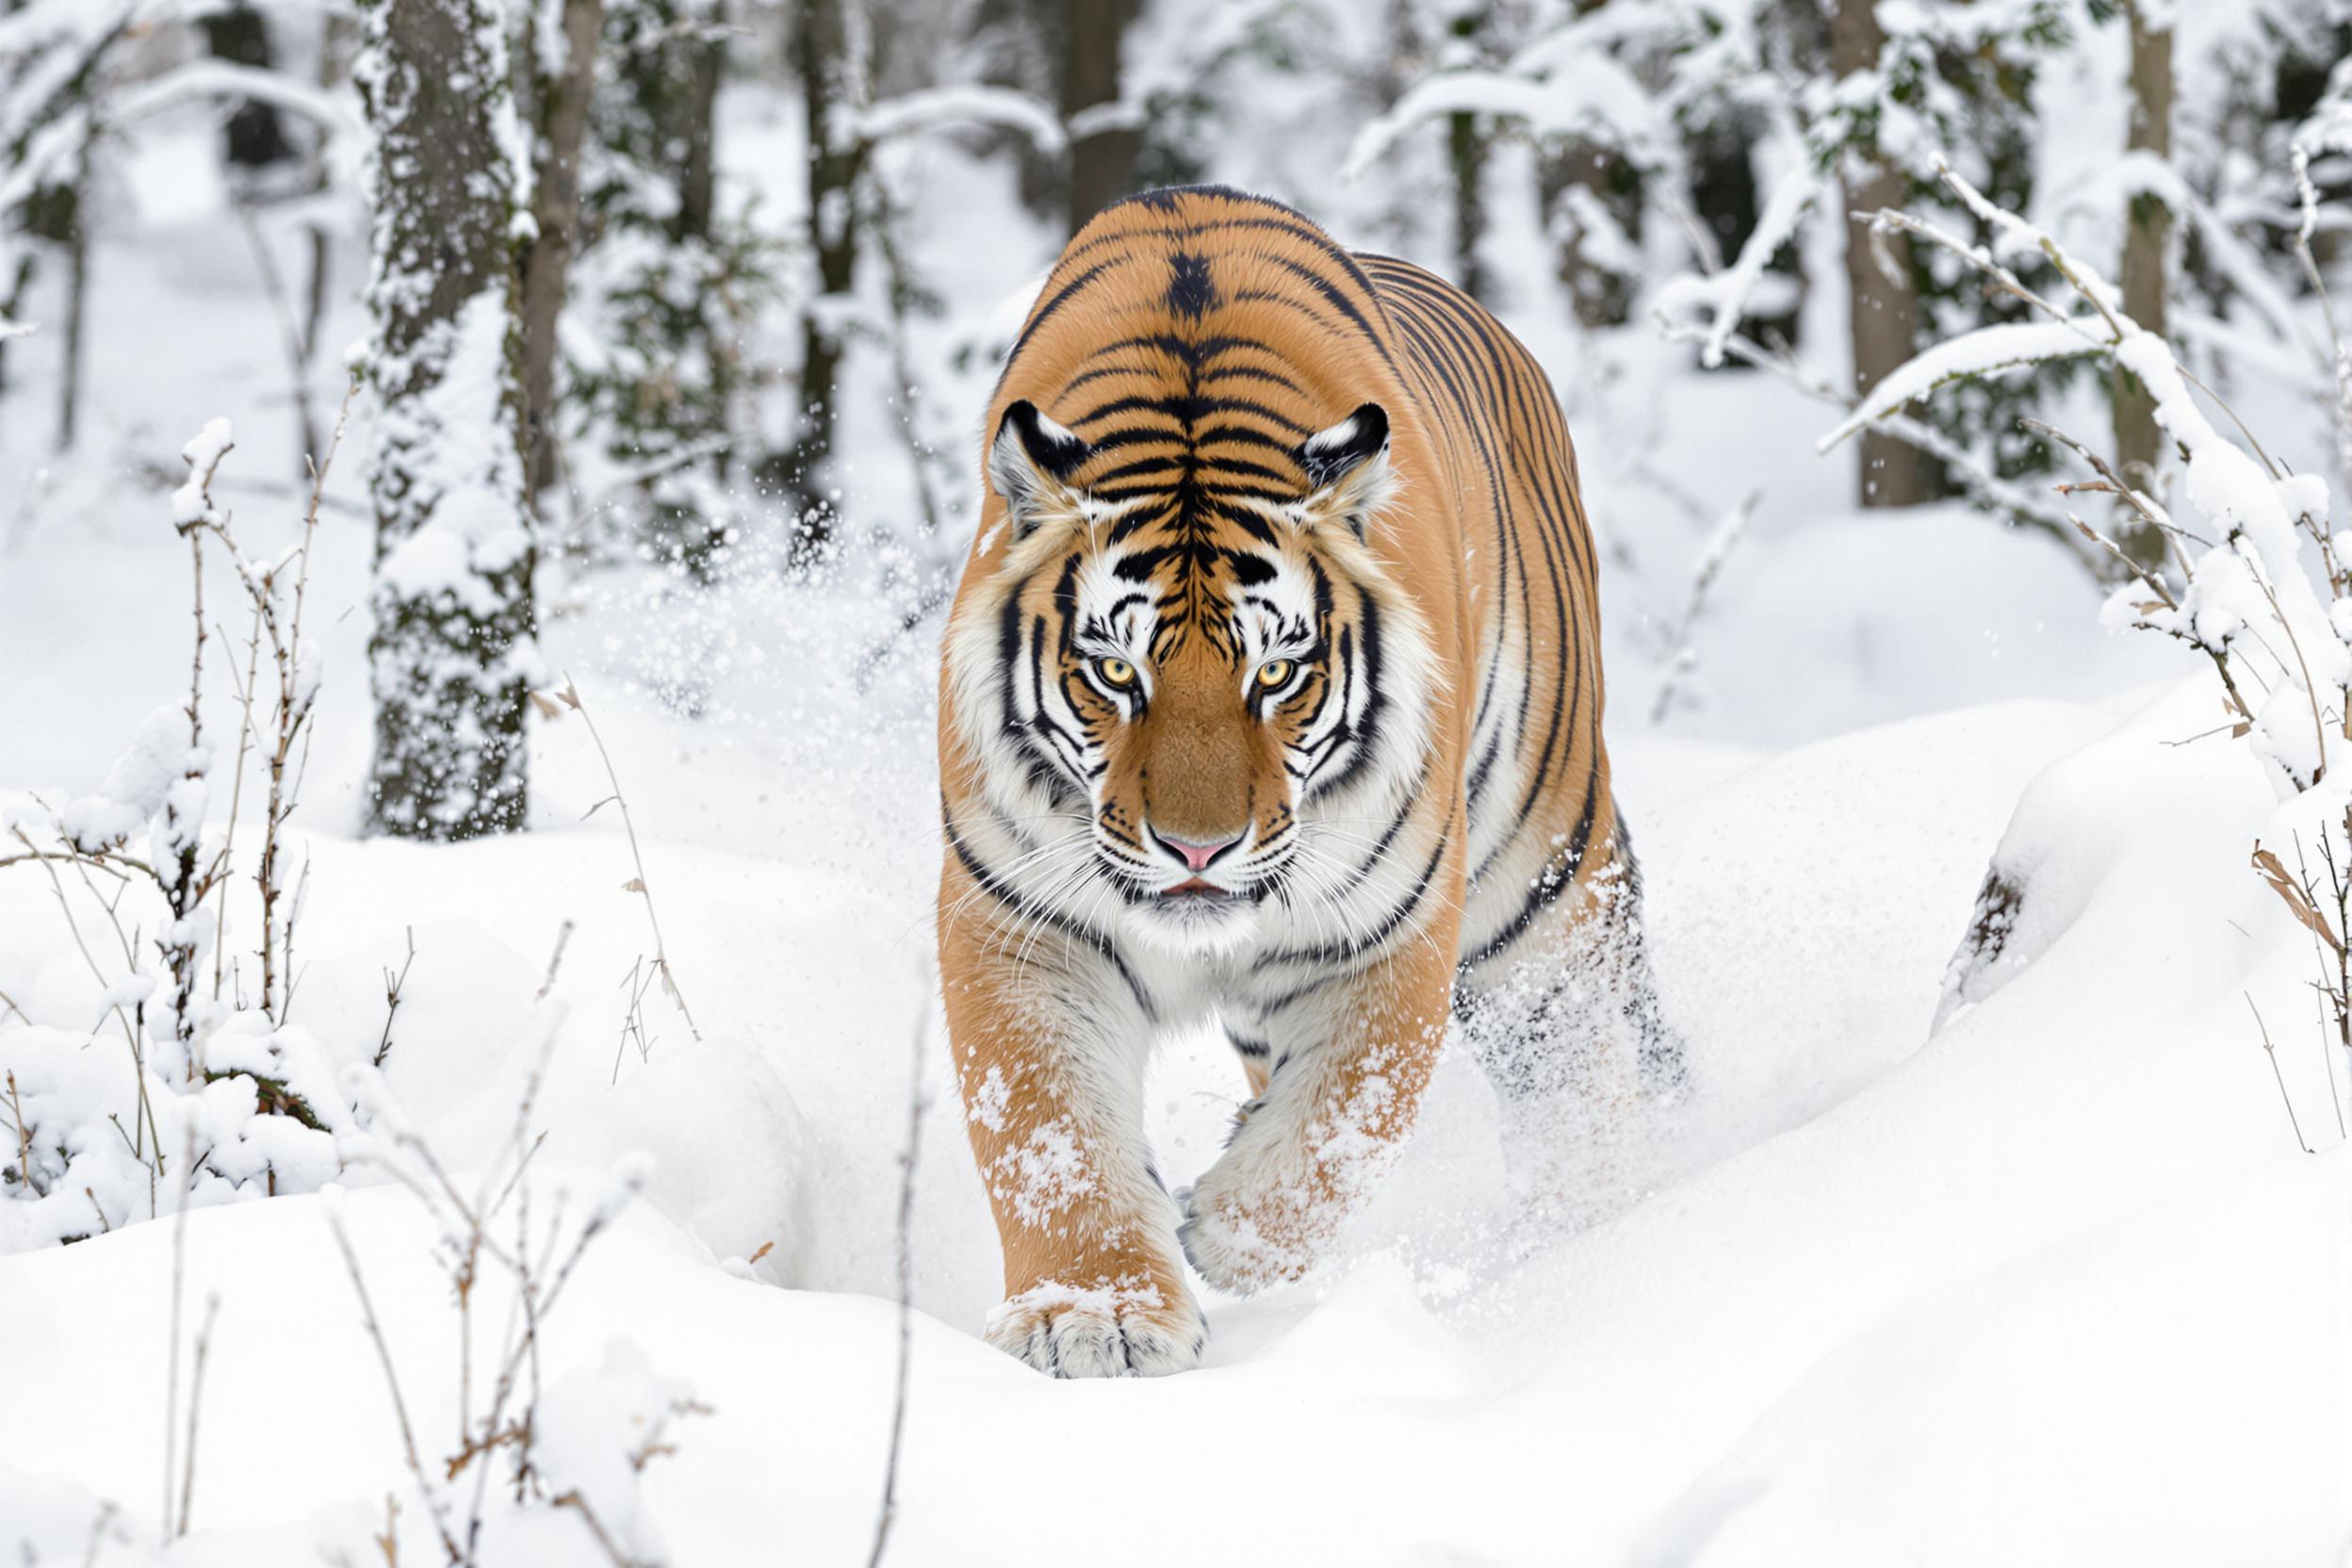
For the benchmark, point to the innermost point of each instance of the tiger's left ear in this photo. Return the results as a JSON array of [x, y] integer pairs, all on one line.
[[1030, 464], [1347, 464]]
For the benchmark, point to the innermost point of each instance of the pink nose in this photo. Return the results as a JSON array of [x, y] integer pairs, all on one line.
[[1196, 857]]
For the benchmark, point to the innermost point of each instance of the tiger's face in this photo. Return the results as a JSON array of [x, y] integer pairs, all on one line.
[[1194, 670]]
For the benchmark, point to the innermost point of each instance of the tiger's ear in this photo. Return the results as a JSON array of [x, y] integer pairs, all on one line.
[[1348, 466], [1030, 464]]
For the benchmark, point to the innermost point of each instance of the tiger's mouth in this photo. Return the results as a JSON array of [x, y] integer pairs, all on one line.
[[1197, 887]]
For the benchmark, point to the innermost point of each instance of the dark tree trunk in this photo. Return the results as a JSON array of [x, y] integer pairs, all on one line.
[[822, 53], [562, 97], [1101, 160], [2146, 240], [1585, 174], [255, 137], [1883, 312], [1465, 154], [452, 646], [698, 177], [336, 38], [76, 239]]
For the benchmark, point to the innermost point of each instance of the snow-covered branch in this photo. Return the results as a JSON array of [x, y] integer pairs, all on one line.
[[1724, 297], [335, 112], [932, 108], [1986, 351]]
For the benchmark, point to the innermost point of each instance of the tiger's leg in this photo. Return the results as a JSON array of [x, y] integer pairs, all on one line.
[[1567, 1024], [1346, 1067], [1049, 1042], [1257, 1056]]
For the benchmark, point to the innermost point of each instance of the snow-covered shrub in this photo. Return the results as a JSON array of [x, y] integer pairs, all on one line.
[[2255, 579], [187, 1089], [94, 1142]]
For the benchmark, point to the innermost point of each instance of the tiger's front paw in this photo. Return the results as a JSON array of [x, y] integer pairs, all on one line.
[[1144, 1330], [1242, 1241]]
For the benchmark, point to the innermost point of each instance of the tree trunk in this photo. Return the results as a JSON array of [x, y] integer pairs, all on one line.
[[255, 137], [698, 176], [2146, 240], [452, 646], [1883, 313], [1102, 161], [824, 50], [1465, 155], [563, 96], [336, 42], [1580, 185], [76, 302]]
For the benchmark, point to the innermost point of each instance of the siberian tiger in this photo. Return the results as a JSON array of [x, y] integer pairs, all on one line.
[[1271, 694]]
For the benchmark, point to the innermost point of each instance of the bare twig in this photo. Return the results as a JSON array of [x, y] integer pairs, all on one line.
[[552, 705], [195, 1405], [906, 1278], [392, 984], [2272, 1051], [578, 1505], [247, 738], [298, 347], [292, 713], [98, 1529], [1716, 550], [555, 960], [23, 1140], [392, 1381]]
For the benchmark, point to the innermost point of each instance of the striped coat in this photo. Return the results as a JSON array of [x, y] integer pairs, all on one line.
[[1271, 696]]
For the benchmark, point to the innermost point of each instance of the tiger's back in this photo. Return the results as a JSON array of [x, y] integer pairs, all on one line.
[[1536, 772]]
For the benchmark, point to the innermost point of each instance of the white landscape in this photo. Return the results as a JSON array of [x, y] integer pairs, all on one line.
[[2000, 1221]]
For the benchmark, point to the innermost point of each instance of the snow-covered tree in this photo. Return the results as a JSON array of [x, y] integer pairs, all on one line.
[[828, 52], [453, 648], [561, 74], [668, 288]]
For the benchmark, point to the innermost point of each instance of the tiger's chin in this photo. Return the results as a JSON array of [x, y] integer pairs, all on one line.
[[1195, 923]]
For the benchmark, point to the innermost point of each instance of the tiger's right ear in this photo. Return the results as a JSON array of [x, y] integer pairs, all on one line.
[[1030, 464]]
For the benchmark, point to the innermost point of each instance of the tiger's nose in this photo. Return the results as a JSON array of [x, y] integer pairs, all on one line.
[[1196, 857]]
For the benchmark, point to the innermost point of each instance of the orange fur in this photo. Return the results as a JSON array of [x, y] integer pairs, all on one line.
[[1184, 459]]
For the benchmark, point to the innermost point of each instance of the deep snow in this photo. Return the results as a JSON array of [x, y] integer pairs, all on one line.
[[2051, 1283]]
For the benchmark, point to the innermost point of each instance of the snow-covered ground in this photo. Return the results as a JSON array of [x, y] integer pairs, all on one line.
[[2051, 1283]]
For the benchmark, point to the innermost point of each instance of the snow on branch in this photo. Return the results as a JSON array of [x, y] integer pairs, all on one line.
[[1562, 92], [2244, 590], [1985, 351], [1725, 296], [911, 113], [337, 112]]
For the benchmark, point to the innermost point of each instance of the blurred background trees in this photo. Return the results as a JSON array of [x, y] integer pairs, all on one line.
[[737, 347]]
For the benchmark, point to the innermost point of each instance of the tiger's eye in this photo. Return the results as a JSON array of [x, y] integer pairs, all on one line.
[[1273, 673], [1115, 672]]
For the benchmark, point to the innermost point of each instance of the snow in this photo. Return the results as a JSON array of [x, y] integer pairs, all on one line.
[[1884, 1248], [1960, 1250], [203, 454]]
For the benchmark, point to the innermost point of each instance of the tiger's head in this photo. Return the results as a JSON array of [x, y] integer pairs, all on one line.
[[1201, 663]]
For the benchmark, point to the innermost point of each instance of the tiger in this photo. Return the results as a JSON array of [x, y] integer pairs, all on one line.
[[1270, 699]]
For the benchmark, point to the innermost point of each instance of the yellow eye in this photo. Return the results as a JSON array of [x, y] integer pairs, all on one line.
[[1273, 673], [1115, 672]]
